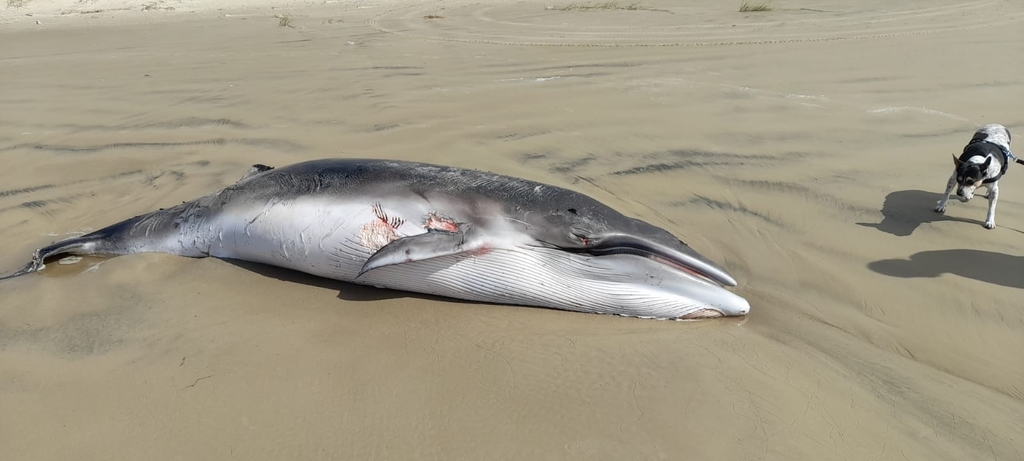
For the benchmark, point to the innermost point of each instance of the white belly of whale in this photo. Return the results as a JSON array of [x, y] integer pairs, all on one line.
[[323, 239]]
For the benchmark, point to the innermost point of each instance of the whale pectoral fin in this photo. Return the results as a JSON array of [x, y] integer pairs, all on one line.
[[422, 247], [255, 170]]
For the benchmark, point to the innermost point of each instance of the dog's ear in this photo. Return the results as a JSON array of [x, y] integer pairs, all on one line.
[[988, 161], [956, 161]]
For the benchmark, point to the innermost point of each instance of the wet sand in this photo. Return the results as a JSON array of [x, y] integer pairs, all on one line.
[[803, 148]]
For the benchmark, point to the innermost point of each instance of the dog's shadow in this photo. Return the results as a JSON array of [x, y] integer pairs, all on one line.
[[903, 211], [986, 266]]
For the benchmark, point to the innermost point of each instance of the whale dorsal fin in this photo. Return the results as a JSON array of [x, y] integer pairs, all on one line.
[[429, 245], [255, 170]]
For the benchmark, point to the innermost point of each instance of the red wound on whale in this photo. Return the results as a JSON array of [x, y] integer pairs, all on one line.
[[437, 222], [394, 222], [381, 231]]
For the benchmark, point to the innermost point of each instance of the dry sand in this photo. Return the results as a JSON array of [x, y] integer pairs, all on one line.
[[803, 148]]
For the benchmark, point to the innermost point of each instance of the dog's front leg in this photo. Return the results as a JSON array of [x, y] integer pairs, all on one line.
[[993, 195], [945, 197]]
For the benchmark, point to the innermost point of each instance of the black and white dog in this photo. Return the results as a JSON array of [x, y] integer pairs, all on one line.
[[983, 161]]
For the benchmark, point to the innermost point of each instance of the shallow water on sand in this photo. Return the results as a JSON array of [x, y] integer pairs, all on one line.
[[803, 149]]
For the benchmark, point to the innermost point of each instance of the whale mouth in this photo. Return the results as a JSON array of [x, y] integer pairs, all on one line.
[[695, 272], [684, 259]]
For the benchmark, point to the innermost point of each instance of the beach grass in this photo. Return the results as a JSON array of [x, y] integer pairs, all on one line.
[[746, 7]]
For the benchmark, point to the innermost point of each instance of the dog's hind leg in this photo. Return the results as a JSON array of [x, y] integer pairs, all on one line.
[[945, 196], [993, 196]]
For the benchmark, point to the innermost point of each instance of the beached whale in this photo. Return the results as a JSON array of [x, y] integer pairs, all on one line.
[[432, 229]]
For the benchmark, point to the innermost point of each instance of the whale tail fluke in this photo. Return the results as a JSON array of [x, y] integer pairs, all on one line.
[[84, 245], [135, 235]]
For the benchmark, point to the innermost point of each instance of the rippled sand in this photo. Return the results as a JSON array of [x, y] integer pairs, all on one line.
[[803, 148]]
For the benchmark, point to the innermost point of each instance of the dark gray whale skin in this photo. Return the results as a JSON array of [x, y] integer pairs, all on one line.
[[434, 229]]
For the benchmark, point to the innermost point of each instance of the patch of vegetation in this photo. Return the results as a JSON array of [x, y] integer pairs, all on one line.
[[609, 5], [284, 20], [16, 3], [433, 16], [747, 7]]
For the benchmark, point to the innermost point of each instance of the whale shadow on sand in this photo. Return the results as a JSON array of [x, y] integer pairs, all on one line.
[[346, 291]]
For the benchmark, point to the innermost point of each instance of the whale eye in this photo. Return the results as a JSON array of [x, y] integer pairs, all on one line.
[[572, 210]]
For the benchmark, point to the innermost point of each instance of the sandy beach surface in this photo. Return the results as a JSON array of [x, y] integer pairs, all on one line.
[[803, 148]]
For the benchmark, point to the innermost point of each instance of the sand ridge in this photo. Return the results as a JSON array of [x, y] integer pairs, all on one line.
[[803, 148]]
